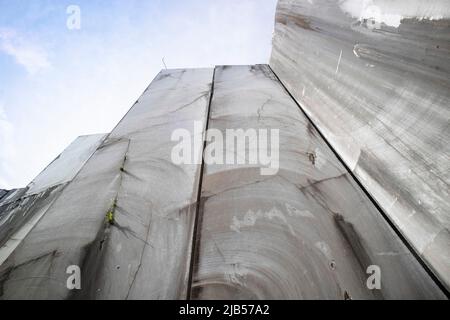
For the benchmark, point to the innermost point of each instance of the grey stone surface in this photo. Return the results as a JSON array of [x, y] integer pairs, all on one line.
[[307, 232], [6, 195], [67, 232], [3, 193], [380, 95], [147, 254], [21, 209]]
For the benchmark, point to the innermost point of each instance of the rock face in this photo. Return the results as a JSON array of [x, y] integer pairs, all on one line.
[[307, 232], [21, 209], [3, 193], [140, 226], [378, 90]]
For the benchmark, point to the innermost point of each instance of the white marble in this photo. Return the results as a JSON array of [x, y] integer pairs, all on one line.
[[380, 95]]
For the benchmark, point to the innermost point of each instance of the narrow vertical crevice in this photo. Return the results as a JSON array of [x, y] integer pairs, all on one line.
[[402, 238], [197, 219]]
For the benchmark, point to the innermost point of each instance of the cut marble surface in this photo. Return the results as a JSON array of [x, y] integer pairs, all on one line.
[[21, 209], [307, 232], [148, 252], [380, 95], [127, 219], [3, 193]]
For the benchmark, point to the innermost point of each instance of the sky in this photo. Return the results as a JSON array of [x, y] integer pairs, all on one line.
[[59, 82]]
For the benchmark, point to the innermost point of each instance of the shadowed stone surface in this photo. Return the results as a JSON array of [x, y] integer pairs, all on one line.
[[21, 209], [307, 232], [148, 249], [381, 98]]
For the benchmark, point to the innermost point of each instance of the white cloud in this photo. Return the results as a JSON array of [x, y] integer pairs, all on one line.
[[29, 55]]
